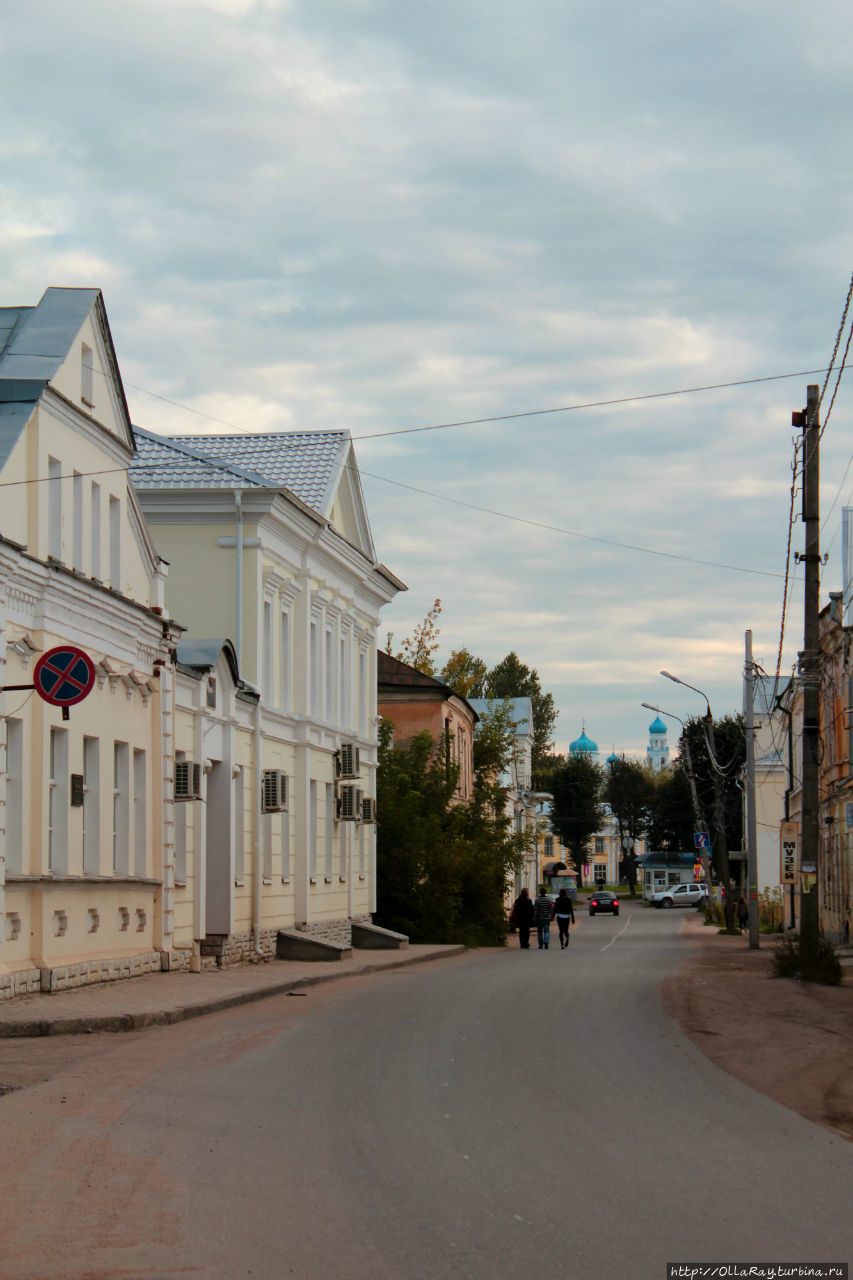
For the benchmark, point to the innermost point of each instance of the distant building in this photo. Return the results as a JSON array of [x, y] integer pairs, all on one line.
[[657, 752], [415, 702]]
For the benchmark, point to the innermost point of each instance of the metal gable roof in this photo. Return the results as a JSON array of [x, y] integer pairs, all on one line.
[[308, 463]]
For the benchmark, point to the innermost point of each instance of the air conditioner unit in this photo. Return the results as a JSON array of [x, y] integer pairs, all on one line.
[[347, 760], [349, 803], [187, 780], [368, 809], [274, 794]]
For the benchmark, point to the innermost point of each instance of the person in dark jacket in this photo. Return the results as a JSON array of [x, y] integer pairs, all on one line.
[[743, 913], [564, 912], [522, 917], [543, 908]]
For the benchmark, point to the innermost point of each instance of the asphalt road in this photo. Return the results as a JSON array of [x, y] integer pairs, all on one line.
[[502, 1115]]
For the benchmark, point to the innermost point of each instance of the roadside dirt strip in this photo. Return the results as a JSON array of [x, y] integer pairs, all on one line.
[[788, 1039]]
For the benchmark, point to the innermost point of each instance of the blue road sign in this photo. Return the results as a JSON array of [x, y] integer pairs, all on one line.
[[702, 839]]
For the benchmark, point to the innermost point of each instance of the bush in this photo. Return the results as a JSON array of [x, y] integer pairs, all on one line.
[[789, 961]]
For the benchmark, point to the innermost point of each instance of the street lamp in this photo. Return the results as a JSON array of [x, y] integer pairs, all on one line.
[[719, 812], [676, 680]]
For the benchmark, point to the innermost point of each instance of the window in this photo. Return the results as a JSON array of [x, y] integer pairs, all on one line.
[[95, 532], [140, 860], [87, 376], [361, 850], [285, 846], [268, 677], [284, 661], [312, 830], [58, 804], [14, 797], [329, 709], [115, 544], [267, 849], [600, 872], [239, 827], [549, 846], [343, 685], [180, 811], [54, 513], [77, 491], [330, 827], [314, 677], [343, 854], [121, 815], [91, 807], [362, 693], [599, 844]]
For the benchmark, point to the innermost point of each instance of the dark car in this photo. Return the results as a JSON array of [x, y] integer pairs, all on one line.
[[604, 900]]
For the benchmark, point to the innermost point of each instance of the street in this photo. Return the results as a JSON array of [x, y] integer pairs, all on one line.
[[500, 1114]]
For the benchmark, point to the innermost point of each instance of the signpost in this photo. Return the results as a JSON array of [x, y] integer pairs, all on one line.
[[63, 677]]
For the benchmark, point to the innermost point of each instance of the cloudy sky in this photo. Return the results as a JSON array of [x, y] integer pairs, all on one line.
[[383, 216]]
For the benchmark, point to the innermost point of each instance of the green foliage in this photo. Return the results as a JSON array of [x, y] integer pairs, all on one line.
[[443, 867], [510, 678], [671, 822], [419, 648], [577, 812], [464, 673], [771, 909], [730, 741], [791, 960], [629, 790]]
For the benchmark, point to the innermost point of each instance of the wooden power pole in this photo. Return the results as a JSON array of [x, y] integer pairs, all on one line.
[[809, 674]]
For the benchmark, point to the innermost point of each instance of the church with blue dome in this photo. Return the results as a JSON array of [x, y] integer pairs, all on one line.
[[657, 752], [584, 746]]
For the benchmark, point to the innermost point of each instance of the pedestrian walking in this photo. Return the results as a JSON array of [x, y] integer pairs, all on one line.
[[543, 907], [743, 913], [522, 917], [564, 912]]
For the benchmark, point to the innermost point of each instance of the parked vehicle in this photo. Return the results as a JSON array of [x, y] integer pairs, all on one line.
[[603, 900], [680, 895]]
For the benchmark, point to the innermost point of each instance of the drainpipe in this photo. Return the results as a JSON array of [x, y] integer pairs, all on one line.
[[238, 542], [257, 868]]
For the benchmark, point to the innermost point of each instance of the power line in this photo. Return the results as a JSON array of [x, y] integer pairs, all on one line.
[[572, 533], [471, 422]]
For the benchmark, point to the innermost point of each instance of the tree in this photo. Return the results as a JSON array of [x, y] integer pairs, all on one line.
[[510, 678], [444, 867], [720, 797], [671, 818], [418, 649], [464, 673], [629, 791], [577, 811]]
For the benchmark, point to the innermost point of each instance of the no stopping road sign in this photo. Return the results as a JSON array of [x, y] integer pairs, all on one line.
[[64, 675]]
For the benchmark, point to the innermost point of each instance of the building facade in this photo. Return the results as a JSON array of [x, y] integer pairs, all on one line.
[[82, 799]]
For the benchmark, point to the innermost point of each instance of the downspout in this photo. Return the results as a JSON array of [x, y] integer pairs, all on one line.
[[257, 869], [238, 543]]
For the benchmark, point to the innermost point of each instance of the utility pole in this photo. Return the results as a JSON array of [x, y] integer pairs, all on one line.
[[809, 672], [751, 824]]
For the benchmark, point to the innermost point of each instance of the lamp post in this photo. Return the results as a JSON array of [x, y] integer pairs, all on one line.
[[721, 851], [691, 777]]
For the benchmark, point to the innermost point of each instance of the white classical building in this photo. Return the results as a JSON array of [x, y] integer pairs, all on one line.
[[81, 799], [217, 784], [273, 570]]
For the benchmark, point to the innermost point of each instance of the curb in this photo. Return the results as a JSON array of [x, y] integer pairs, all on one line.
[[117, 1022]]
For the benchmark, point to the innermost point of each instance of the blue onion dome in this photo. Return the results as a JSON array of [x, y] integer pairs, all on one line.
[[612, 758], [582, 745], [657, 727]]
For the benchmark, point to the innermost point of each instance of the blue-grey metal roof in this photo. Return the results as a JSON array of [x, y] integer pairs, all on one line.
[[521, 711], [34, 342], [308, 463]]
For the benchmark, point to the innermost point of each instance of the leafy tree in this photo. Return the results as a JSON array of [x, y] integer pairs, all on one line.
[[465, 673], [443, 867], [577, 812], [671, 818], [629, 791], [720, 797], [418, 649], [510, 678]]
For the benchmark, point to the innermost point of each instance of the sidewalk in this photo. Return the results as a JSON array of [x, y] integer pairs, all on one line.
[[162, 998]]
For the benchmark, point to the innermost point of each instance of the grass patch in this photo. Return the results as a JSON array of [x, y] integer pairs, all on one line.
[[789, 961]]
